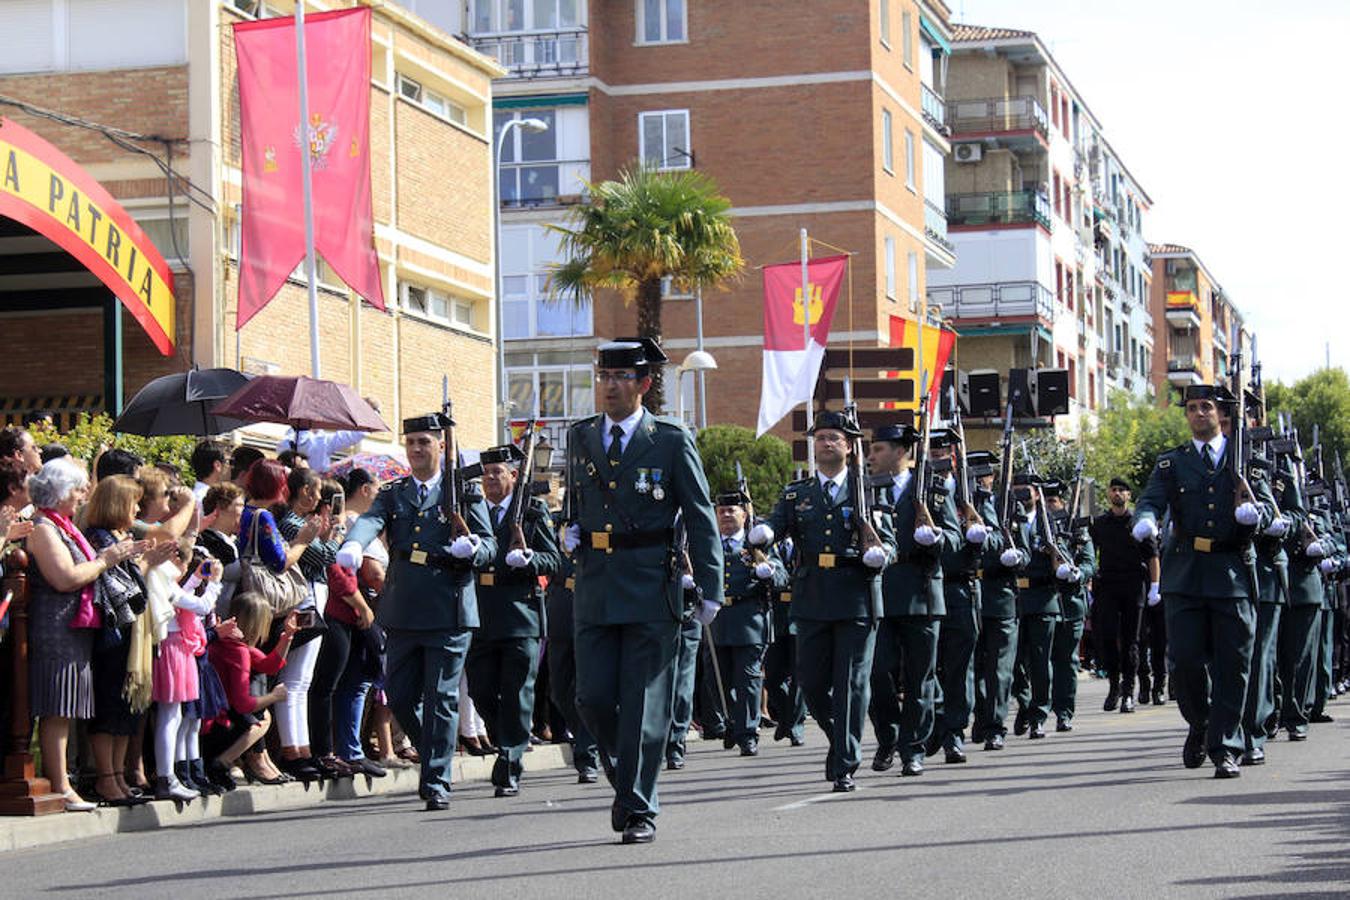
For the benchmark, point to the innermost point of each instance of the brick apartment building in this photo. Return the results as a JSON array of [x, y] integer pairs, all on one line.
[[166, 68], [825, 115], [1194, 319]]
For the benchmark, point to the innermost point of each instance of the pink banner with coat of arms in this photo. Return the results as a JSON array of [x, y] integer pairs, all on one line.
[[337, 51]]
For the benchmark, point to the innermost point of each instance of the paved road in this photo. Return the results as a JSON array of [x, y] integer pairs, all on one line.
[[1107, 811]]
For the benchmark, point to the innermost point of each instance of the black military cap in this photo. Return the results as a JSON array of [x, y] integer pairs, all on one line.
[[837, 421], [1119, 482], [429, 422], [630, 353], [1025, 478], [731, 498], [1216, 392], [943, 437], [1052, 487], [506, 453], [981, 463], [896, 433]]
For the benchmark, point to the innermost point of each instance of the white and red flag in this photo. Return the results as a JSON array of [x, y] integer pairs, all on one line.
[[337, 138], [791, 362]]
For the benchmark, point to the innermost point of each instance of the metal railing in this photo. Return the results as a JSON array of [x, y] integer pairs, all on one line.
[[934, 109], [935, 224], [994, 301], [544, 183], [999, 208], [997, 114], [528, 54], [1187, 363]]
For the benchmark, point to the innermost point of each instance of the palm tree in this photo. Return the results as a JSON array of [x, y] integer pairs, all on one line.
[[640, 229]]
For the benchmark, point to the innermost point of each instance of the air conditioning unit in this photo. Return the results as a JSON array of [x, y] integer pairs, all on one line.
[[967, 153], [1113, 359]]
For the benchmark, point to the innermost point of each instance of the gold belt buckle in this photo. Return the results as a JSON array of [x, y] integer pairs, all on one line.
[[726, 601], [825, 560], [785, 597], [1024, 583], [417, 557], [570, 583], [487, 579], [599, 540], [1203, 544]]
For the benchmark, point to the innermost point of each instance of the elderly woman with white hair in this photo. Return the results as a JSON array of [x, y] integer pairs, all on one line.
[[61, 583]]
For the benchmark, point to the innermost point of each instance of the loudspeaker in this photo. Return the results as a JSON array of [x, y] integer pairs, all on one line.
[[1019, 394], [980, 395], [1049, 390], [948, 395]]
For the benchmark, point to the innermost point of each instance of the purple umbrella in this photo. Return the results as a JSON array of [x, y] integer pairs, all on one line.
[[303, 403]]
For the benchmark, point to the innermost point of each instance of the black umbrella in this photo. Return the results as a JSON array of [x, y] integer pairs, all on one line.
[[181, 404]]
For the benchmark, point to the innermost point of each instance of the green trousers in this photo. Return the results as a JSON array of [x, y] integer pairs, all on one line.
[[742, 670], [787, 704], [834, 667], [905, 660], [1296, 659], [1031, 676], [1322, 672], [1064, 668], [1209, 643], [422, 670], [1260, 706], [501, 677], [686, 683], [957, 639], [995, 652]]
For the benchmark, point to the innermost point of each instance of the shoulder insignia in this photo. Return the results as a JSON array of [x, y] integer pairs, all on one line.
[[1164, 463], [392, 485]]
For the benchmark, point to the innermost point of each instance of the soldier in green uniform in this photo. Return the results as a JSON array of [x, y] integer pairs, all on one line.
[[1308, 547], [836, 592], [562, 670], [1208, 579], [741, 632], [911, 590], [996, 650], [503, 660], [630, 473], [1329, 566], [429, 604], [960, 631], [682, 707], [787, 704], [1072, 580], [1038, 609]]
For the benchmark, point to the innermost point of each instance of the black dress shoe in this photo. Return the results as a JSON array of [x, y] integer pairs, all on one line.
[[674, 763], [955, 755], [766, 723], [639, 831], [994, 742], [1254, 757], [884, 759], [1112, 698], [438, 803], [587, 776], [1193, 751], [933, 744], [1036, 732], [844, 784], [1320, 718], [1143, 698], [782, 731], [618, 819], [506, 790], [1158, 699], [1298, 735], [728, 741], [750, 748], [795, 741], [1227, 767], [912, 768], [1063, 725], [1020, 723], [1127, 704]]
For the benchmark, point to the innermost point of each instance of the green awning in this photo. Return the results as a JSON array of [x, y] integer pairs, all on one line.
[[539, 101], [934, 35]]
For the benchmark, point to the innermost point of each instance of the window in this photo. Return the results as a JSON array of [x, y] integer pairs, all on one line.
[[432, 102], [911, 165], [913, 260], [563, 391], [1073, 379], [435, 306], [890, 268], [661, 21], [663, 139], [523, 15], [887, 142], [907, 39], [884, 24], [527, 252], [84, 35], [671, 290]]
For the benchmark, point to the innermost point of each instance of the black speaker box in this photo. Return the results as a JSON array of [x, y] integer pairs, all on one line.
[[980, 395]]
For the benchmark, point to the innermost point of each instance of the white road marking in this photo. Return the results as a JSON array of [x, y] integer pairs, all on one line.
[[819, 798]]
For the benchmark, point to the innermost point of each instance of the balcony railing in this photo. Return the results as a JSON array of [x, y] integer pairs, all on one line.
[[1009, 299], [534, 54], [999, 208], [997, 114], [935, 110], [1186, 363], [551, 183], [935, 225]]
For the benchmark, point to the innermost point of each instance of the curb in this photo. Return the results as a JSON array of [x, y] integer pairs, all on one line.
[[21, 833]]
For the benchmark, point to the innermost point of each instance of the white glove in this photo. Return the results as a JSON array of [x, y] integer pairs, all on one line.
[[465, 547], [1247, 514], [707, 611], [1010, 558], [875, 557], [1315, 550], [1328, 566], [925, 535], [571, 537], [760, 535], [977, 534], [1065, 572], [1154, 594], [1145, 530], [763, 571], [1278, 528], [519, 559], [687, 581], [349, 556]]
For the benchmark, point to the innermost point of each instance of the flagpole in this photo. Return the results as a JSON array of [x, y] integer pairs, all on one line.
[[806, 347], [307, 181]]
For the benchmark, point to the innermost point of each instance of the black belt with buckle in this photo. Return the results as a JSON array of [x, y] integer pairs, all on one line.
[[1207, 545], [1027, 583], [627, 540], [424, 558], [830, 560]]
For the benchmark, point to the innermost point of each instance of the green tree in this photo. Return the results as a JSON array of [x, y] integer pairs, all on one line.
[[1321, 399], [638, 230], [91, 434], [1129, 435], [766, 461]]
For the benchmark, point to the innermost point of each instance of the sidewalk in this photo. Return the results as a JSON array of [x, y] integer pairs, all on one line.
[[19, 832]]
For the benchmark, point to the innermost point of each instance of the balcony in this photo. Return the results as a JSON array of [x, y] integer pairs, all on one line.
[[998, 115], [527, 185], [1005, 300], [539, 54], [1000, 208], [1183, 371], [1183, 310], [935, 111], [935, 225]]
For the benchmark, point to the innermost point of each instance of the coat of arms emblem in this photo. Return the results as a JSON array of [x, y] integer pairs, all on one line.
[[322, 134]]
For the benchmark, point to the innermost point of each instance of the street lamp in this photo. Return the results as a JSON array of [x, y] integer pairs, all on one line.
[[699, 361], [533, 126]]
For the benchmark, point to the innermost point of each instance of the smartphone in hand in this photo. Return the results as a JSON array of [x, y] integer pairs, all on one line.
[[304, 618]]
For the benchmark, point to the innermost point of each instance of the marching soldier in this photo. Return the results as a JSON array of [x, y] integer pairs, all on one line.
[[836, 592], [741, 632], [787, 704], [911, 588], [1309, 548], [429, 603], [1038, 608], [562, 670], [1072, 579], [503, 660], [682, 707], [1208, 579], [1329, 566], [631, 473], [1127, 570]]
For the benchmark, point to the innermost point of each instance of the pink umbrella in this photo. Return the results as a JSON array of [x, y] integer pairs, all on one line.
[[381, 465], [303, 403]]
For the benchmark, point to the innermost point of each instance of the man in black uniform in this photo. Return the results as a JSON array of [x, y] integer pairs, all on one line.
[[1126, 569]]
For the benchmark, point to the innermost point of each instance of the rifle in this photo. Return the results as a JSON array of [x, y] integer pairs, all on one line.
[[1005, 473], [964, 507], [451, 489], [1239, 452], [1043, 524], [1338, 486], [922, 451], [1258, 386], [520, 497], [857, 482], [757, 555], [1077, 495]]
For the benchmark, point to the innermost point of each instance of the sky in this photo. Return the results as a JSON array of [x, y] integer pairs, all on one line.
[[1232, 114]]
